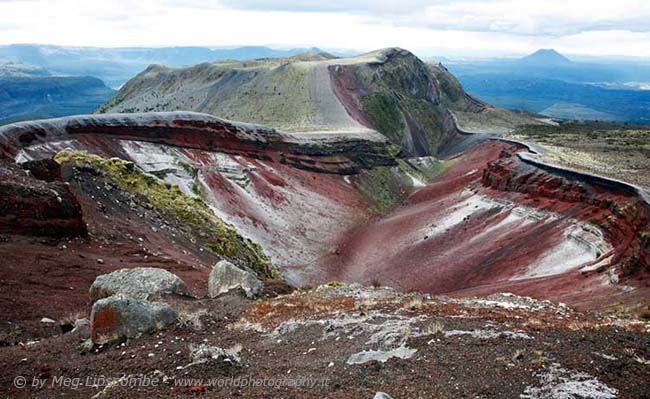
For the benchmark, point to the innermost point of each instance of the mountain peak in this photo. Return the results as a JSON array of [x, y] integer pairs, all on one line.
[[546, 56]]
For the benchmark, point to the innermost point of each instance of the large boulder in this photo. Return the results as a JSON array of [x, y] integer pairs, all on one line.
[[118, 317], [138, 283], [225, 277]]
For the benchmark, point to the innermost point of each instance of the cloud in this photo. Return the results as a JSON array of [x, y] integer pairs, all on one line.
[[372, 7], [463, 27], [524, 17]]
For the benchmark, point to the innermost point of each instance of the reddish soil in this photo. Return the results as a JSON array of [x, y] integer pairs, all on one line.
[[463, 260], [443, 366], [345, 86], [292, 212], [310, 213], [50, 277]]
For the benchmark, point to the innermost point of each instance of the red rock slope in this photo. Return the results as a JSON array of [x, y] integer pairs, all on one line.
[[492, 222]]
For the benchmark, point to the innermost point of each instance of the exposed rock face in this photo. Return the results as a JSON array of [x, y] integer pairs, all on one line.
[[225, 277], [34, 207], [617, 208], [119, 317], [451, 91], [330, 153], [515, 228], [138, 283], [396, 95]]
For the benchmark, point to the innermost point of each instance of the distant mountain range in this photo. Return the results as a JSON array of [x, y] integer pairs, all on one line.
[[34, 97], [34, 78], [549, 83], [117, 65]]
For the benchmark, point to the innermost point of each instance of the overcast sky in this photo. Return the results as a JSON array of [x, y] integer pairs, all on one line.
[[434, 27]]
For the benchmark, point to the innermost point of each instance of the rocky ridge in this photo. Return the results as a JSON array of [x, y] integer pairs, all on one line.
[[389, 91]]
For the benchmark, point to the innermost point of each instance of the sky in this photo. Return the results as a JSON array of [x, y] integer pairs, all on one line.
[[456, 28]]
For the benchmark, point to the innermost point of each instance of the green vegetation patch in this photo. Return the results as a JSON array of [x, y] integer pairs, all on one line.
[[627, 134], [383, 187], [400, 95], [621, 151], [383, 111], [223, 238], [428, 170], [428, 119], [450, 86]]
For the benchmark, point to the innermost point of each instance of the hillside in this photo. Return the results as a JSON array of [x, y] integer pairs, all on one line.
[[472, 114], [389, 91], [116, 65], [26, 96], [10, 68]]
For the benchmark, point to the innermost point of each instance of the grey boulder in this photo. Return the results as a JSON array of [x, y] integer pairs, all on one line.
[[225, 277], [118, 317], [138, 283]]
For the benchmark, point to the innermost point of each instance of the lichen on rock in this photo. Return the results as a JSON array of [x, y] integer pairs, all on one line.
[[118, 317]]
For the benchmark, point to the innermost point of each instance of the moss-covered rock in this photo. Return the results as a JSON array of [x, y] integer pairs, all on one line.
[[223, 238], [384, 187]]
